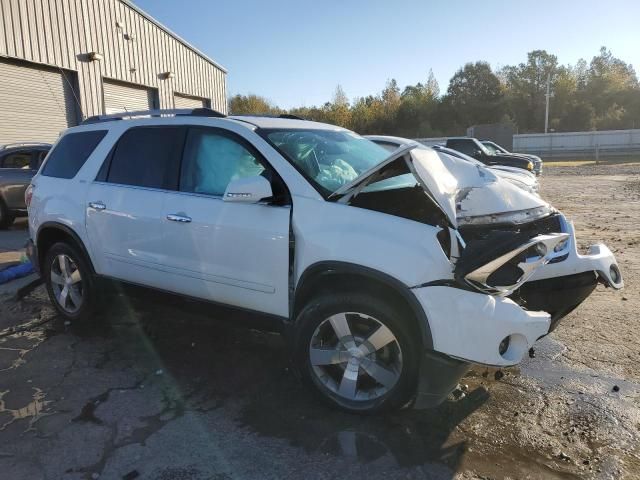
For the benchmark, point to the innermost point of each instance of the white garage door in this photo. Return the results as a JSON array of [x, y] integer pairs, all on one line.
[[186, 101], [126, 97], [36, 103]]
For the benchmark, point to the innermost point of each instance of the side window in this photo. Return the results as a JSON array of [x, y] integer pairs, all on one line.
[[147, 157], [71, 152], [212, 159], [467, 148], [17, 160]]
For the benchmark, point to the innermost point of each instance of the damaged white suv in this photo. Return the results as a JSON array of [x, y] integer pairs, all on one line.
[[390, 273]]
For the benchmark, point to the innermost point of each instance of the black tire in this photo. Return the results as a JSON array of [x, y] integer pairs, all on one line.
[[84, 314], [6, 217], [397, 321]]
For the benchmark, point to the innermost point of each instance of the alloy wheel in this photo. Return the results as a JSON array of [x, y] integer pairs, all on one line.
[[355, 356], [66, 283]]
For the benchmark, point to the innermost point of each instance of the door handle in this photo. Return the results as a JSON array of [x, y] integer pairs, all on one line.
[[178, 218], [97, 205]]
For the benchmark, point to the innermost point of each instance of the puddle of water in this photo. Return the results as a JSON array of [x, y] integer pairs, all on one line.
[[548, 368]]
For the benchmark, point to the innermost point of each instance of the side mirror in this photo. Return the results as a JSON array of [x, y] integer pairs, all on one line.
[[477, 153], [248, 190]]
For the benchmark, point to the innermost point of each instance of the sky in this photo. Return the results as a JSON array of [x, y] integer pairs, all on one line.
[[295, 52]]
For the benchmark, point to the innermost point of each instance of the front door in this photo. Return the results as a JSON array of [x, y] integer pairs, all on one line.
[[232, 253]]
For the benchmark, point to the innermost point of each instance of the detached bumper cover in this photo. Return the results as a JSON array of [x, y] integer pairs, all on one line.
[[599, 259], [470, 326]]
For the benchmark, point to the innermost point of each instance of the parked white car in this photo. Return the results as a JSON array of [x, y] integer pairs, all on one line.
[[517, 176], [389, 273]]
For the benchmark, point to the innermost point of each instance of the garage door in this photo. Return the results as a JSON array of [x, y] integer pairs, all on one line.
[[36, 103], [186, 101], [126, 97]]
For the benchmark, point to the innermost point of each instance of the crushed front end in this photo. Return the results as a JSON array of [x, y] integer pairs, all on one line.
[[567, 279]]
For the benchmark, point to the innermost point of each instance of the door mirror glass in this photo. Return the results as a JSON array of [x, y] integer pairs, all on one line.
[[248, 190]]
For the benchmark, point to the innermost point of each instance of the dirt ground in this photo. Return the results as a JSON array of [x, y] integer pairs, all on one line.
[[153, 393]]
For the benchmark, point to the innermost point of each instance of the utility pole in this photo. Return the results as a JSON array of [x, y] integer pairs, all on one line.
[[548, 95]]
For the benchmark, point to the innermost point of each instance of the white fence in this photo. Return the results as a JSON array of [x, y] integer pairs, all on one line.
[[608, 143]]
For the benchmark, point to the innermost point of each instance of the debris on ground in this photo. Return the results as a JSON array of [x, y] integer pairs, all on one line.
[[131, 475]]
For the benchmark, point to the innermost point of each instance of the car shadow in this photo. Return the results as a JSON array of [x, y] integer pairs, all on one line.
[[247, 371]]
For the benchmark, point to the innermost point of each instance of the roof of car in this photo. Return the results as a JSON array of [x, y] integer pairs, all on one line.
[[283, 123]]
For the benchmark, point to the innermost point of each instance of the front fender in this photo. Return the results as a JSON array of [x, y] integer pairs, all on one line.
[[406, 250]]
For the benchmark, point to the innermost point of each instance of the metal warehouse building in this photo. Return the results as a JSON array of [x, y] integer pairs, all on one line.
[[65, 60]]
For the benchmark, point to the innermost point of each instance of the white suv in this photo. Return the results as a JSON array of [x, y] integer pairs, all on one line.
[[389, 272]]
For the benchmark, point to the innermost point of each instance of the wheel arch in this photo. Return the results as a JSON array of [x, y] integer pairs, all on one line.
[[334, 276], [50, 233]]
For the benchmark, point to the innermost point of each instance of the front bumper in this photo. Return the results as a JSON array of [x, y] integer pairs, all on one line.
[[599, 259], [495, 330], [471, 326]]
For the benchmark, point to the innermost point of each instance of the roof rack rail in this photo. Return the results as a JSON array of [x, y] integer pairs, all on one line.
[[24, 144], [193, 112], [290, 116]]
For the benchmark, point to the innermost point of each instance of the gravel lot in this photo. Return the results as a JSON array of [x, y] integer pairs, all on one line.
[[153, 393]]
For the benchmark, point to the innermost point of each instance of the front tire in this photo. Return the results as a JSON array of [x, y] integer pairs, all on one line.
[[70, 283], [357, 352]]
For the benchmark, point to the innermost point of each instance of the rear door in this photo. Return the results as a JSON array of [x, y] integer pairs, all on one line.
[[232, 253], [125, 204]]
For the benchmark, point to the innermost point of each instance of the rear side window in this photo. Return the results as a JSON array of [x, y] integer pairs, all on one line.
[[148, 157], [71, 152], [17, 160], [468, 148]]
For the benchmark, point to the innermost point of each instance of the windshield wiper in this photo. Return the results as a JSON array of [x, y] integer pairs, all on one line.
[[365, 177]]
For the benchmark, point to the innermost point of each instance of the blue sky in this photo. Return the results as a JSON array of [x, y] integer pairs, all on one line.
[[295, 52]]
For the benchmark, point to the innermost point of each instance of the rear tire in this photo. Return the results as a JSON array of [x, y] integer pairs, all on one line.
[[70, 283], [6, 217], [357, 352]]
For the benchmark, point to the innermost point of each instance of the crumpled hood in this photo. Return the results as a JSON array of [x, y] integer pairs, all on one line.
[[465, 190]]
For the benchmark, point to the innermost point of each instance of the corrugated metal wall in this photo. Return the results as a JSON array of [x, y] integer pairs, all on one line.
[[135, 49]]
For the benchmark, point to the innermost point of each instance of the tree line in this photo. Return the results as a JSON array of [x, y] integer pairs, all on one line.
[[603, 94]]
